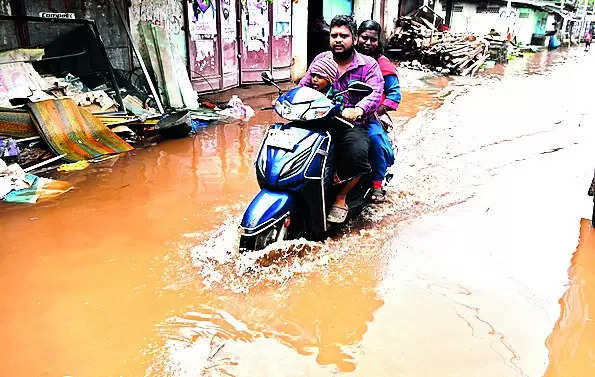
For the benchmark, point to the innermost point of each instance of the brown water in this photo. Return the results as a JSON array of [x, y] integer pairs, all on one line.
[[572, 343], [135, 272]]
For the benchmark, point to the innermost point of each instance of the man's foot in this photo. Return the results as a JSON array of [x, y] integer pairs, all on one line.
[[337, 214], [378, 196]]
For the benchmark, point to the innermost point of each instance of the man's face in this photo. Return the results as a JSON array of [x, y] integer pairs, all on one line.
[[367, 42], [341, 41]]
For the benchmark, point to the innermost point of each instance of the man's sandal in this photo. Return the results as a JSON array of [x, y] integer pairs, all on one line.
[[337, 214]]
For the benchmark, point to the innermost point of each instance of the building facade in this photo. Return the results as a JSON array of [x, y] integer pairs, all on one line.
[[226, 43]]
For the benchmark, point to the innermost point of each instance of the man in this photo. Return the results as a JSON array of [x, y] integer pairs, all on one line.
[[381, 150], [351, 144]]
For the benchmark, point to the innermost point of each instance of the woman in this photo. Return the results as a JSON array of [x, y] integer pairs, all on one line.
[[381, 154]]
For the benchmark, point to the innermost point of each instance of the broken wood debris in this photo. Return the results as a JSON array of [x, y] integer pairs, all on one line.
[[416, 39]]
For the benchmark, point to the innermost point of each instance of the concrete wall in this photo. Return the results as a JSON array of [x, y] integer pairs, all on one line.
[[168, 14], [300, 39], [102, 11], [391, 14], [5, 7], [7, 30], [366, 9], [526, 26]]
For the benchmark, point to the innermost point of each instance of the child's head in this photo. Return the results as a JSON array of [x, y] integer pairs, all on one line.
[[323, 73]]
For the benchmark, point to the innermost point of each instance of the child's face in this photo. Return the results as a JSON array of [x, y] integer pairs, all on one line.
[[318, 82]]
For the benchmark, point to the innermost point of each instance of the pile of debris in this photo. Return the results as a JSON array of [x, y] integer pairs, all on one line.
[[62, 110], [417, 40], [498, 49]]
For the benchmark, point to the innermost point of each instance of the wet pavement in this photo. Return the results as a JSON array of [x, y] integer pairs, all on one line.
[[134, 273]]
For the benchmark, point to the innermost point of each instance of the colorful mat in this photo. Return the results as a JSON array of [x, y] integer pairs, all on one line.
[[74, 131], [16, 123]]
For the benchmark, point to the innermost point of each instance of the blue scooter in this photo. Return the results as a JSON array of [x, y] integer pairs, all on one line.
[[294, 169]]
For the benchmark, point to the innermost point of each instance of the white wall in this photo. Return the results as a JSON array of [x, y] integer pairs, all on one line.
[[362, 10], [469, 21], [299, 22]]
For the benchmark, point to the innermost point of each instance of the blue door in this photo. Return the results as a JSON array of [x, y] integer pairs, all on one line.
[[331, 8]]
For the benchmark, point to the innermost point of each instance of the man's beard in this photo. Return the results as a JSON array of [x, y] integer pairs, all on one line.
[[344, 55]]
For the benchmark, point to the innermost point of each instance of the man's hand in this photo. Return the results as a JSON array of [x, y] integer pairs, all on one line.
[[352, 113]]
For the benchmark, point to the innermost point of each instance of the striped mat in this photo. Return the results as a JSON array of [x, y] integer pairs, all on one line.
[[16, 123], [73, 131]]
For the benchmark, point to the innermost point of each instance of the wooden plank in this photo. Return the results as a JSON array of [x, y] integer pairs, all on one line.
[[172, 88], [146, 35], [140, 60], [189, 96]]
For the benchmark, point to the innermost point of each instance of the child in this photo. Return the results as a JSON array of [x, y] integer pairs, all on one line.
[[323, 73]]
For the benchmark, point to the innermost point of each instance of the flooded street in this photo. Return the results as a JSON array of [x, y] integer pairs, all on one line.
[[460, 273]]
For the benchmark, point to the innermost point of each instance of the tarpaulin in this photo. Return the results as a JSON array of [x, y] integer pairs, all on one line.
[[73, 131]]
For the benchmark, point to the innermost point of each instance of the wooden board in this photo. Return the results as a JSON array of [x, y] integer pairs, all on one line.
[[166, 60], [148, 48]]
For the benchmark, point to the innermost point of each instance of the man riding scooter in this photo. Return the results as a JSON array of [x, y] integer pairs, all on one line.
[[352, 144]]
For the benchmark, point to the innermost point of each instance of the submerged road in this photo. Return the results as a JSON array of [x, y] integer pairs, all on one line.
[[134, 273]]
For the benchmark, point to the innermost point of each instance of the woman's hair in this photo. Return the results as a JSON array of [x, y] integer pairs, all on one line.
[[375, 26]]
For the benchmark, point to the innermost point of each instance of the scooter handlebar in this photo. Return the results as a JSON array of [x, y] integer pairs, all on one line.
[[345, 121]]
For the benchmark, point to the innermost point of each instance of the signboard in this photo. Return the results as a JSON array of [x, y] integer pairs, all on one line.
[[57, 15]]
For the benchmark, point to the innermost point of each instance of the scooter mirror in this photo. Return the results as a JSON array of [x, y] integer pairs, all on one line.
[[266, 77], [359, 87]]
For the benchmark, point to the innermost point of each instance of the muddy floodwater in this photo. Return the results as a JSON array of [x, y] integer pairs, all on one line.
[[572, 342], [467, 270]]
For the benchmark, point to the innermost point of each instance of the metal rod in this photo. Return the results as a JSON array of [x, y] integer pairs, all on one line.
[[93, 27], [43, 163], [140, 59], [28, 139], [46, 59]]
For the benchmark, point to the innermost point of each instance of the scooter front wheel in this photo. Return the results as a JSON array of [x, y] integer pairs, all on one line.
[[274, 233]]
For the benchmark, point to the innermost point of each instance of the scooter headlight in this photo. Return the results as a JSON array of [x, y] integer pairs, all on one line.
[[291, 111], [316, 113]]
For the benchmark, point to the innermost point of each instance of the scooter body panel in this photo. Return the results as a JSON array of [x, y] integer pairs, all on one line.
[[266, 208]]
